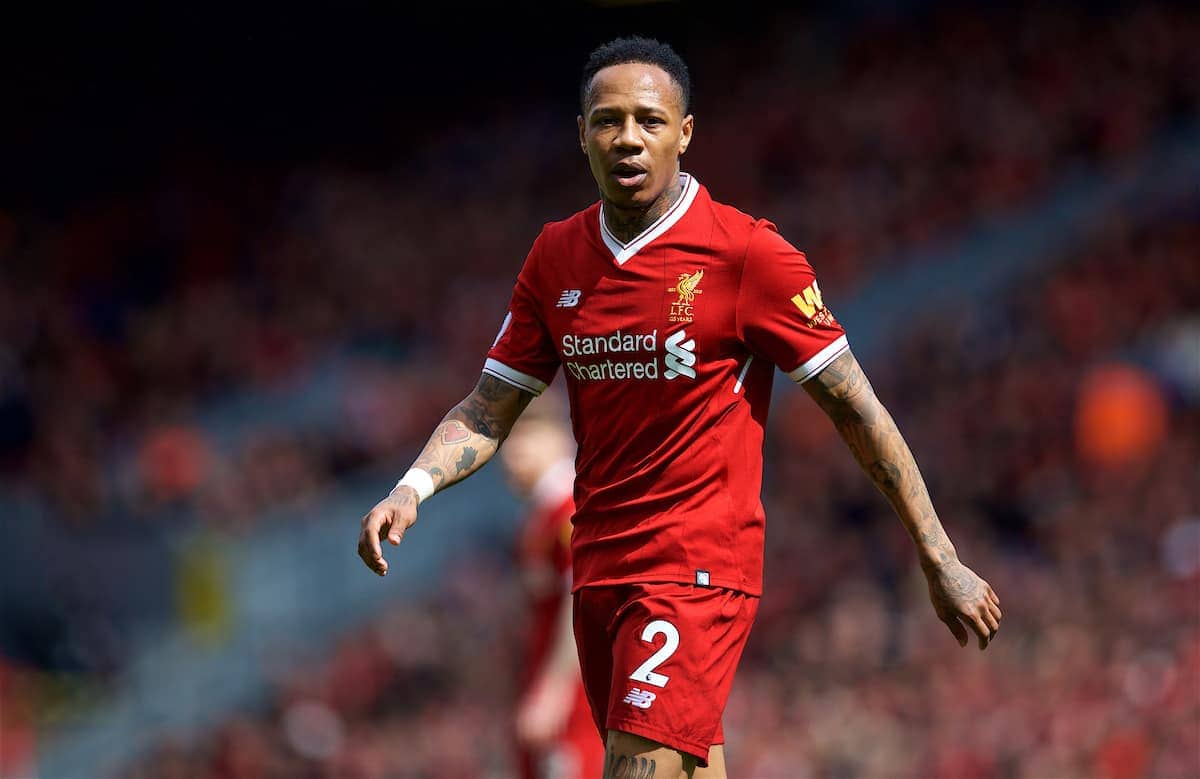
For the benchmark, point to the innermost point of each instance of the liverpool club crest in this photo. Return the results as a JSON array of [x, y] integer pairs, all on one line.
[[688, 287]]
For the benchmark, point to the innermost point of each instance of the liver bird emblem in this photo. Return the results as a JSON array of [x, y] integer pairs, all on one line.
[[687, 286]]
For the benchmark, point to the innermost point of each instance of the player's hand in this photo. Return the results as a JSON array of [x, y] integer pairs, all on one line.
[[390, 518], [961, 598]]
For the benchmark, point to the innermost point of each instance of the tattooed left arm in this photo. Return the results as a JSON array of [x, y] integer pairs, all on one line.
[[959, 596]]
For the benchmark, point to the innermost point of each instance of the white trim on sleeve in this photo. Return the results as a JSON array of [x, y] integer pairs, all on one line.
[[514, 377], [819, 361]]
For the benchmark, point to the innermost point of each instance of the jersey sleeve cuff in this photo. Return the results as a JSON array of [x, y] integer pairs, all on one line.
[[819, 361], [522, 381]]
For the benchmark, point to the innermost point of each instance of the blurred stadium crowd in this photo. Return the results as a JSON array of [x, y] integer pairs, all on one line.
[[1071, 480], [1059, 428]]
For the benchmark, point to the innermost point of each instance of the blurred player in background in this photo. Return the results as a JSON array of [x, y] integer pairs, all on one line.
[[555, 735], [668, 313]]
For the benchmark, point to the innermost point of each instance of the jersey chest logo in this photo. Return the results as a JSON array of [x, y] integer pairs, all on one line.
[[680, 356], [687, 288]]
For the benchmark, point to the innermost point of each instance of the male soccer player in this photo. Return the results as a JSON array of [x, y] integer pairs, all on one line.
[[555, 734], [668, 313]]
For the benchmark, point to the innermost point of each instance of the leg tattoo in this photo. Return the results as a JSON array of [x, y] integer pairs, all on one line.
[[627, 766]]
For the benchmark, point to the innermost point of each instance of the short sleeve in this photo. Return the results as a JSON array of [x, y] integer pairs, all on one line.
[[780, 312], [523, 353]]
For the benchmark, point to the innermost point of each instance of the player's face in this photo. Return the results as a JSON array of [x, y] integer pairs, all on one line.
[[633, 133]]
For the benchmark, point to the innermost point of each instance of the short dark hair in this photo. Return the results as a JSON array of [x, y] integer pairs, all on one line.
[[635, 48]]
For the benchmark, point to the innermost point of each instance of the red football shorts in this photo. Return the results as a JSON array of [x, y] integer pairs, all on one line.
[[658, 659]]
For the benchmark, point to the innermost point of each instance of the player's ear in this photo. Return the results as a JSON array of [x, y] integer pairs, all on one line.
[[582, 140], [685, 133]]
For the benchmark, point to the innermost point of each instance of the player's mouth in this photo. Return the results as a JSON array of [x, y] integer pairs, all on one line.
[[629, 176]]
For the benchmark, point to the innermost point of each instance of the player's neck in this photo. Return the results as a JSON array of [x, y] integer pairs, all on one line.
[[628, 223]]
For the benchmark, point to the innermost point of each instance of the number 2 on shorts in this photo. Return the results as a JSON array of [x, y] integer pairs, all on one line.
[[645, 672]]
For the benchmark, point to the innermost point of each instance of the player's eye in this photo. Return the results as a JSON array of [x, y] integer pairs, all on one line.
[[606, 121], [653, 120]]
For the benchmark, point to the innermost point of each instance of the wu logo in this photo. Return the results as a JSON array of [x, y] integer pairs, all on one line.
[[813, 307], [681, 355], [569, 298], [809, 301], [643, 699]]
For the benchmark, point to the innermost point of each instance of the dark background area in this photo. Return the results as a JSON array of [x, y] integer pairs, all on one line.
[[98, 99], [105, 99]]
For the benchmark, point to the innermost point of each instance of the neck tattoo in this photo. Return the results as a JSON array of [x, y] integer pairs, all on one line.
[[628, 223]]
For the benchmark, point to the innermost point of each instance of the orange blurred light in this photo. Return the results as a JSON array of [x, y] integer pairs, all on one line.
[[1121, 416]]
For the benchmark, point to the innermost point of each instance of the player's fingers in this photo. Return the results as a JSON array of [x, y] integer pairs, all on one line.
[[960, 633], [999, 615], [393, 531], [990, 620], [369, 558], [992, 596], [976, 623], [368, 543]]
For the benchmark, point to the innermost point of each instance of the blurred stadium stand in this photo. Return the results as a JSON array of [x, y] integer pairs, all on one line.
[[206, 379]]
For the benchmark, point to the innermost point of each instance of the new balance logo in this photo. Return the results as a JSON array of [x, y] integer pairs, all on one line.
[[681, 355], [643, 699], [569, 298]]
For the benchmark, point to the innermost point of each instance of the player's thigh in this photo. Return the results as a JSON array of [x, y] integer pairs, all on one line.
[[716, 764], [629, 756]]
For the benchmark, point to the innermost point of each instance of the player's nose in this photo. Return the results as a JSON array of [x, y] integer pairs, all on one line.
[[630, 136]]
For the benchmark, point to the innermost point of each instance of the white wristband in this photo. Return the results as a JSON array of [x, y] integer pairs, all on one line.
[[419, 480]]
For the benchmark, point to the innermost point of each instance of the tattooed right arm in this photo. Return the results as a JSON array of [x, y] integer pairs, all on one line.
[[466, 439], [471, 433]]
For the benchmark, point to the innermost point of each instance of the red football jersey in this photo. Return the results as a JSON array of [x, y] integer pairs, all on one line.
[[668, 345]]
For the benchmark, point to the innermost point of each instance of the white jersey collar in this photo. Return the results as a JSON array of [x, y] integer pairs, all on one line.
[[623, 251]]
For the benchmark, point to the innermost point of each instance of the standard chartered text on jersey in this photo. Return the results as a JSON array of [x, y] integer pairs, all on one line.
[[615, 342]]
